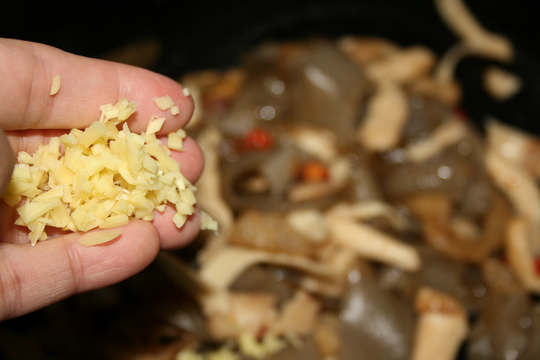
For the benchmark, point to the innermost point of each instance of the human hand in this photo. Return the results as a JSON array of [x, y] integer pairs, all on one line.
[[32, 277]]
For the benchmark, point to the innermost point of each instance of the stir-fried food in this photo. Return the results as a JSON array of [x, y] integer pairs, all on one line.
[[361, 214]]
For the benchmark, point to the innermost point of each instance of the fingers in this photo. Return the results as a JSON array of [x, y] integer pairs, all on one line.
[[32, 277], [191, 160], [27, 70]]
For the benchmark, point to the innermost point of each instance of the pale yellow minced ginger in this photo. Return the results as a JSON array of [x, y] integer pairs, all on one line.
[[99, 237], [100, 177], [164, 102], [175, 110], [175, 140], [55, 85]]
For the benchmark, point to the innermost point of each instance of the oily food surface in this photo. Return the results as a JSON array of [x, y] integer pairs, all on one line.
[[100, 177]]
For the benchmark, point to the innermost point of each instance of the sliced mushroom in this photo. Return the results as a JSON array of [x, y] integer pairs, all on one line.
[[459, 18], [402, 66], [298, 316], [367, 210], [446, 68], [521, 189], [309, 223], [447, 92], [318, 142], [327, 337], [220, 270], [442, 326], [386, 115], [372, 244], [515, 146], [209, 184], [448, 133], [500, 83], [341, 260], [232, 314], [520, 255]]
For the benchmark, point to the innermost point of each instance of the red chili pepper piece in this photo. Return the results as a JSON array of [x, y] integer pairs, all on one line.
[[258, 139], [314, 171]]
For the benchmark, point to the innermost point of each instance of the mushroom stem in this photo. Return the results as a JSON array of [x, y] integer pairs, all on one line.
[[519, 254], [441, 328], [373, 244], [460, 19]]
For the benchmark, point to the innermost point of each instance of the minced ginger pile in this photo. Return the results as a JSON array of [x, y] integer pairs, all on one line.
[[101, 177]]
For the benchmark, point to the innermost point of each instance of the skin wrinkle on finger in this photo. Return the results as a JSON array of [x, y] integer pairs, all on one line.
[[76, 269]]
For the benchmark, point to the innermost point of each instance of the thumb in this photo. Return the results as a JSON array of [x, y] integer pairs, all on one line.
[[6, 161]]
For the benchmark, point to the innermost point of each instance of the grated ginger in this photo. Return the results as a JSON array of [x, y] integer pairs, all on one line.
[[164, 102], [101, 177], [55, 85]]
